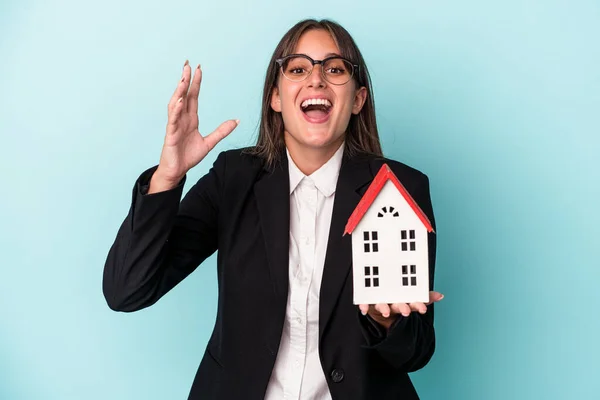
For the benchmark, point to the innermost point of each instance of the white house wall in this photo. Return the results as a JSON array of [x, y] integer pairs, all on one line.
[[390, 258]]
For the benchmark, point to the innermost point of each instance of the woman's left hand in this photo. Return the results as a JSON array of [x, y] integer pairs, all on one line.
[[385, 314]]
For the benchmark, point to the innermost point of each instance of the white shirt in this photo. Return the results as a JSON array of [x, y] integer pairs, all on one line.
[[298, 373]]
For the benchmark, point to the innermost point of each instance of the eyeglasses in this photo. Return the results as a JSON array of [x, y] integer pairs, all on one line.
[[336, 70]]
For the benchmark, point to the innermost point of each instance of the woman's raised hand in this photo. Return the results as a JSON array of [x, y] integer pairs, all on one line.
[[184, 146]]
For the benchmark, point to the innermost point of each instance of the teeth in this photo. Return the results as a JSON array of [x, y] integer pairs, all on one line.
[[314, 102]]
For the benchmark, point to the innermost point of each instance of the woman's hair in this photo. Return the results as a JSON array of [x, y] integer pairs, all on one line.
[[361, 134]]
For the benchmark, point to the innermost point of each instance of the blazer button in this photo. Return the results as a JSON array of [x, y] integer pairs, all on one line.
[[337, 375]]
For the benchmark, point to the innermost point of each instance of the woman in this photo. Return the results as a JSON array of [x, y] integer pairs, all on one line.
[[286, 326]]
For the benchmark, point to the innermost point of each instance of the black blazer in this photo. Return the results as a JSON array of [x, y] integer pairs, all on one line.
[[242, 209]]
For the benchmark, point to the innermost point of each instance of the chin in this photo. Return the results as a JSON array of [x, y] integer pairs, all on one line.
[[324, 143]]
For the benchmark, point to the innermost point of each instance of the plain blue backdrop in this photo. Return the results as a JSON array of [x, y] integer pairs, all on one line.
[[497, 101]]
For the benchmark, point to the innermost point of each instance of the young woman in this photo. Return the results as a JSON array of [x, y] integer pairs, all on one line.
[[286, 325]]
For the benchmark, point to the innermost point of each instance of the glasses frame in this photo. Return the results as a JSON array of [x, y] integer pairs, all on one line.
[[355, 67]]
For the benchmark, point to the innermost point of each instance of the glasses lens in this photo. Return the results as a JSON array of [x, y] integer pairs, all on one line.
[[338, 71], [296, 68]]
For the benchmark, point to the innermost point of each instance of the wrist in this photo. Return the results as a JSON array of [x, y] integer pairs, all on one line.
[[161, 182]]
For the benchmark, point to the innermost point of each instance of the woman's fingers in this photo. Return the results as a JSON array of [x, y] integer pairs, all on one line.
[[174, 116], [434, 297], [182, 87], [192, 96], [401, 308], [218, 134], [383, 309], [177, 102], [418, 307]]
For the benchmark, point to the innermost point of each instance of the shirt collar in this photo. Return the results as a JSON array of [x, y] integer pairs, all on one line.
[[325, 178]]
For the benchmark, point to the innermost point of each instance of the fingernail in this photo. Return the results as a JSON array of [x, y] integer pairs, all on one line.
[[198, 67], [180, 100], [441, 297], [186, 63], [237, 121], [363, 312]]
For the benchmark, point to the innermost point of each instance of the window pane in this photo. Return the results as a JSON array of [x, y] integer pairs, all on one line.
[[374, 235], [375, 270], [404, 281], [404, 269], [413, 281], [412, 234], [403, 235], [375, 282], [375, 247], [413, 269], [367, 282], [412, 246], [367, 270], [404, 246], [366, 234], [367, 247]]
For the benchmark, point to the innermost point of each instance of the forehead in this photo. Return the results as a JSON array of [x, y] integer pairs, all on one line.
[[317, 44]]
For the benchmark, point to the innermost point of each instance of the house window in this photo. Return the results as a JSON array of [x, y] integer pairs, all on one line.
[[370, 241], [372, 276], [409, 275], [408, 240], [386, 210]]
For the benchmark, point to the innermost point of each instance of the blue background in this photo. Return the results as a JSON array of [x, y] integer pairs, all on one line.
[[497, 101]]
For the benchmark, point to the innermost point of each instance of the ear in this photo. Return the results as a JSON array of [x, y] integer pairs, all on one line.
[[359, 99], [275, 100]]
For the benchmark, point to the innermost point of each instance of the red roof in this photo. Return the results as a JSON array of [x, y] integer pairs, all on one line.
[[385, 174]]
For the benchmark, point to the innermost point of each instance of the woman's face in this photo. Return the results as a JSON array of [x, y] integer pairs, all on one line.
[[316, 130]]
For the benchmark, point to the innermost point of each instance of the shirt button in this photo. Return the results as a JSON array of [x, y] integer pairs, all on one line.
[[337, 375], [299, 320]]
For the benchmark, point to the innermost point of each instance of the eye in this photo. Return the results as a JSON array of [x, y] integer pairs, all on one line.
[[297, 66], [337, 66], [296, 71], [336, 70]]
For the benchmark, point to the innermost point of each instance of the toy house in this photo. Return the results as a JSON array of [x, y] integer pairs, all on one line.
[[390, 254]]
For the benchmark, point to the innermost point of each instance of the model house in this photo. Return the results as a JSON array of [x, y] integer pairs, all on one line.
[[389, 244]]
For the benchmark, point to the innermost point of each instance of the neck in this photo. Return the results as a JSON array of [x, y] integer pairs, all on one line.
[[307, 159]]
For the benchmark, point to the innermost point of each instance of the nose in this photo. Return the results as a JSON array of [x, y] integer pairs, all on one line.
[[316, 78]]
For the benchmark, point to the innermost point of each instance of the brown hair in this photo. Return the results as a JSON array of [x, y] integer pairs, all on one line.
[[361, 134]]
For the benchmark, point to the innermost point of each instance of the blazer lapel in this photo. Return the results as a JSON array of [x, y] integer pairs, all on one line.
[[355, 174], [273, 200]]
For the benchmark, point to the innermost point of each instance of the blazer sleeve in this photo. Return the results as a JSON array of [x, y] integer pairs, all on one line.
[[162, 240], [410, 342]]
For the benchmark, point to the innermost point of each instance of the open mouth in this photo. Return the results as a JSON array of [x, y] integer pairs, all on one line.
[[316, 111]]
